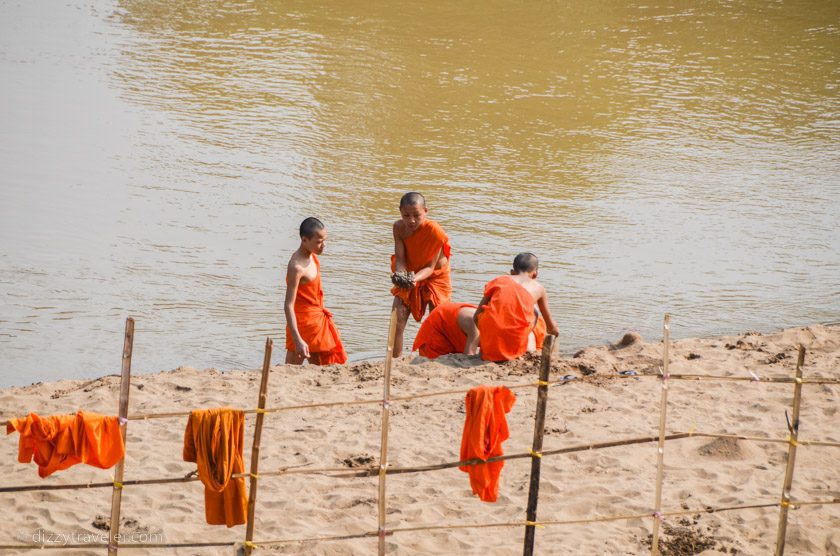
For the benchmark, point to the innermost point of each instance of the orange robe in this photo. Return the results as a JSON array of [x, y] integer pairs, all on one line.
[[507, 319], [485, 428], [440, 334], [213, 440], [315, 323], [60, 441], [540, 330], [421, 248]]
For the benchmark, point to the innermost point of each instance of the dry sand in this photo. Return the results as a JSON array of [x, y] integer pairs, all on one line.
[[699, 472]]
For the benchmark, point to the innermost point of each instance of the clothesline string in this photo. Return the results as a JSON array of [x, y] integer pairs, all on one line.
[[370, 471], [369, 534], [689, 377]]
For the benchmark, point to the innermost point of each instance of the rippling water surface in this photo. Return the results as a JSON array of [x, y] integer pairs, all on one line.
[[158, 157]]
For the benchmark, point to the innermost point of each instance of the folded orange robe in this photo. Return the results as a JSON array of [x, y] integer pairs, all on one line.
[[421, 248], [440, 334], [315, 324], [60, 441], [506, 321], [213, 440], [485, 428]]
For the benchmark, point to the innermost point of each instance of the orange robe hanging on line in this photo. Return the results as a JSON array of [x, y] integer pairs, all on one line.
[[213, 440], [440, 334], [315, 323], [507, 319], [60, 441], [485, 428], [421, 248]]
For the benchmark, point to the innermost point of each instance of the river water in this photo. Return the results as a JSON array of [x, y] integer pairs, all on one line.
[[158, 156]]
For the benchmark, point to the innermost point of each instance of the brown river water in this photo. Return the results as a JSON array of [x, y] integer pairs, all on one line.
[[158, 156]]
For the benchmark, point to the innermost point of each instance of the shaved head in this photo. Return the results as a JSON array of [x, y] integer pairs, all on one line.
[[310, 227], [525, 262], [412, 198]]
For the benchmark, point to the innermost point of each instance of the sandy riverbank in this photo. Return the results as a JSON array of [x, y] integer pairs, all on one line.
[[596, 407]]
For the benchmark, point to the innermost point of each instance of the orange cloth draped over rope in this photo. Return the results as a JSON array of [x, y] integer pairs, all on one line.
[[315, 323], [485, 428], [60, 441], [421, 248], [507, 319], [440, 334], [213, 440]]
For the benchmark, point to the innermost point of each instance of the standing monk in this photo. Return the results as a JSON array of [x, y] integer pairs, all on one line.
[[506, 317], [420, 264], [310, 331]]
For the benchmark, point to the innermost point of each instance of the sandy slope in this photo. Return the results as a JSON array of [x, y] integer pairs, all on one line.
[[699, 471]]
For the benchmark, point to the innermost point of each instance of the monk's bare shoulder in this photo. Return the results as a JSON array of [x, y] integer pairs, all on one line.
[[295, 266], [538, 291], [400, 231]]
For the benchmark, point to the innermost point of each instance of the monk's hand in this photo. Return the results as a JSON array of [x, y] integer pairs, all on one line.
[[302, 348], [403, 279]]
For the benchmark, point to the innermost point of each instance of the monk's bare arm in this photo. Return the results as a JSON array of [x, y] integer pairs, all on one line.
[[550, 325], [481, 304], [399, 248], [465, 322], [427, 270], [293, 275]]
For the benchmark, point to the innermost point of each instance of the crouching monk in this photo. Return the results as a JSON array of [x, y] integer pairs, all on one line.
[[310, 331], [506, 317], [449, 328]]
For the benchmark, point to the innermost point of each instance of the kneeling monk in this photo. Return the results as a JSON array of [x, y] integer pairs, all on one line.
[[310, 331], [449, 328], [505, 317]]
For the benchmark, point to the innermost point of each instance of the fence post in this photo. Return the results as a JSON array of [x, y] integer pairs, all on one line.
[[793, 429], [536, 446], [383, 452], [660, 451], [255, 448], [125, 383]]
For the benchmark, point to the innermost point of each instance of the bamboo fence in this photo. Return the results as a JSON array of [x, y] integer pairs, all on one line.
[[382, 470]]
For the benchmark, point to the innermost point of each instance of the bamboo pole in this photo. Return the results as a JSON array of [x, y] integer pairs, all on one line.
[[125, 383], [793, 429], [255, 448], [660, 450], [383, 452], [537, 445]]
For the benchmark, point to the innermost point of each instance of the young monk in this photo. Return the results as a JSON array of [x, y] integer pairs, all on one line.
[[449, 328], [310, 331], [505, 316], [420, 264]]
